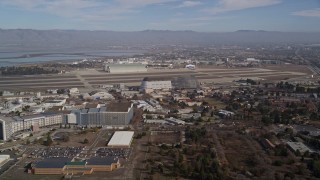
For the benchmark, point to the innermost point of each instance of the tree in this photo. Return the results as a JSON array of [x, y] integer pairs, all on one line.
[[277, 163], [266, 120], [49, 141], [306, 154], [85, 141], [316, 168], [65, 138], [61, 91], [40, 141]]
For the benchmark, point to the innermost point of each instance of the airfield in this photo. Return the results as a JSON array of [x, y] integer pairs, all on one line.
[[91, 78]]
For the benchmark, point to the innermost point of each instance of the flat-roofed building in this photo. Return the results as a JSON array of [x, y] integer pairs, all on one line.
[[299, 146], [70, 119], [125, 68], [103, 163], [11, 125], [149, 84], [50, 165], [121, 139], [63, 165], [175, 121], [113, 114], [4, 158]]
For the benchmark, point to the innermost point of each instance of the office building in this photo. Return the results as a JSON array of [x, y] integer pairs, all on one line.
[[11, 125], [112, 114]]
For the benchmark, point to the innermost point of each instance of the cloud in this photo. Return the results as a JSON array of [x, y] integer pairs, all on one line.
[[95, 10], [308, 13], [187, 4], [235, 5]]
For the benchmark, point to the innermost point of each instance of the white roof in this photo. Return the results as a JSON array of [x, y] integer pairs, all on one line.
[[299, 146], [121, 138]]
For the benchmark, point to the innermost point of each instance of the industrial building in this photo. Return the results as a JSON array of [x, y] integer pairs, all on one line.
[[112, 114], [149, 84], [11, 125], [63, 165], [125, 68], [121, 139]]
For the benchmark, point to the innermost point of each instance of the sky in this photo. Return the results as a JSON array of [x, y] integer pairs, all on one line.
[[137, 15]]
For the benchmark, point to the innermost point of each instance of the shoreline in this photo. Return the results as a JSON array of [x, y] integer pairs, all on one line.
[[123, 54]]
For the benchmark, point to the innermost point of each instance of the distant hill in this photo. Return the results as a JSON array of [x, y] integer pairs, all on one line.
[[27, 39]]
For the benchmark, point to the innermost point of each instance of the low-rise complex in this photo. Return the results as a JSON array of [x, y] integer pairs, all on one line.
[[64, 165]]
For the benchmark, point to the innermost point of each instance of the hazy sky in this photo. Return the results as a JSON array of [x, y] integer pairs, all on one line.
[[135, 15]]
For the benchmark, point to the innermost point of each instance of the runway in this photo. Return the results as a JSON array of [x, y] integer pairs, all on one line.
[[88, 80]]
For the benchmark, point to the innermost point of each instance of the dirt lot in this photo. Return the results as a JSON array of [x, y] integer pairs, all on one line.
[[244, 154], [165, 137], [77, 138]]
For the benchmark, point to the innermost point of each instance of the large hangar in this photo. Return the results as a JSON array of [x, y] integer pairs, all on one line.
[[125, 68], [185, 82], [121, 139]]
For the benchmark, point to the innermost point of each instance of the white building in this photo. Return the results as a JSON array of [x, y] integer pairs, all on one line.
[[149, 84], [101, 95], [56, 102], [74, 91], [125, 68], [11, 125], [129, 94], [4, 158], [70, 119], [299, 146], [121, 139], [175, 121]]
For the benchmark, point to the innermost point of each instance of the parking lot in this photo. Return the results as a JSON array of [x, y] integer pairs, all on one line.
[[117, 152], [56, 152]]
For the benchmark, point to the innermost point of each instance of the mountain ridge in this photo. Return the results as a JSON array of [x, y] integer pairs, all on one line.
[[57, 39]]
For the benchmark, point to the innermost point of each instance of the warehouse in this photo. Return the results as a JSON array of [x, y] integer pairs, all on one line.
[[121, 139]]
